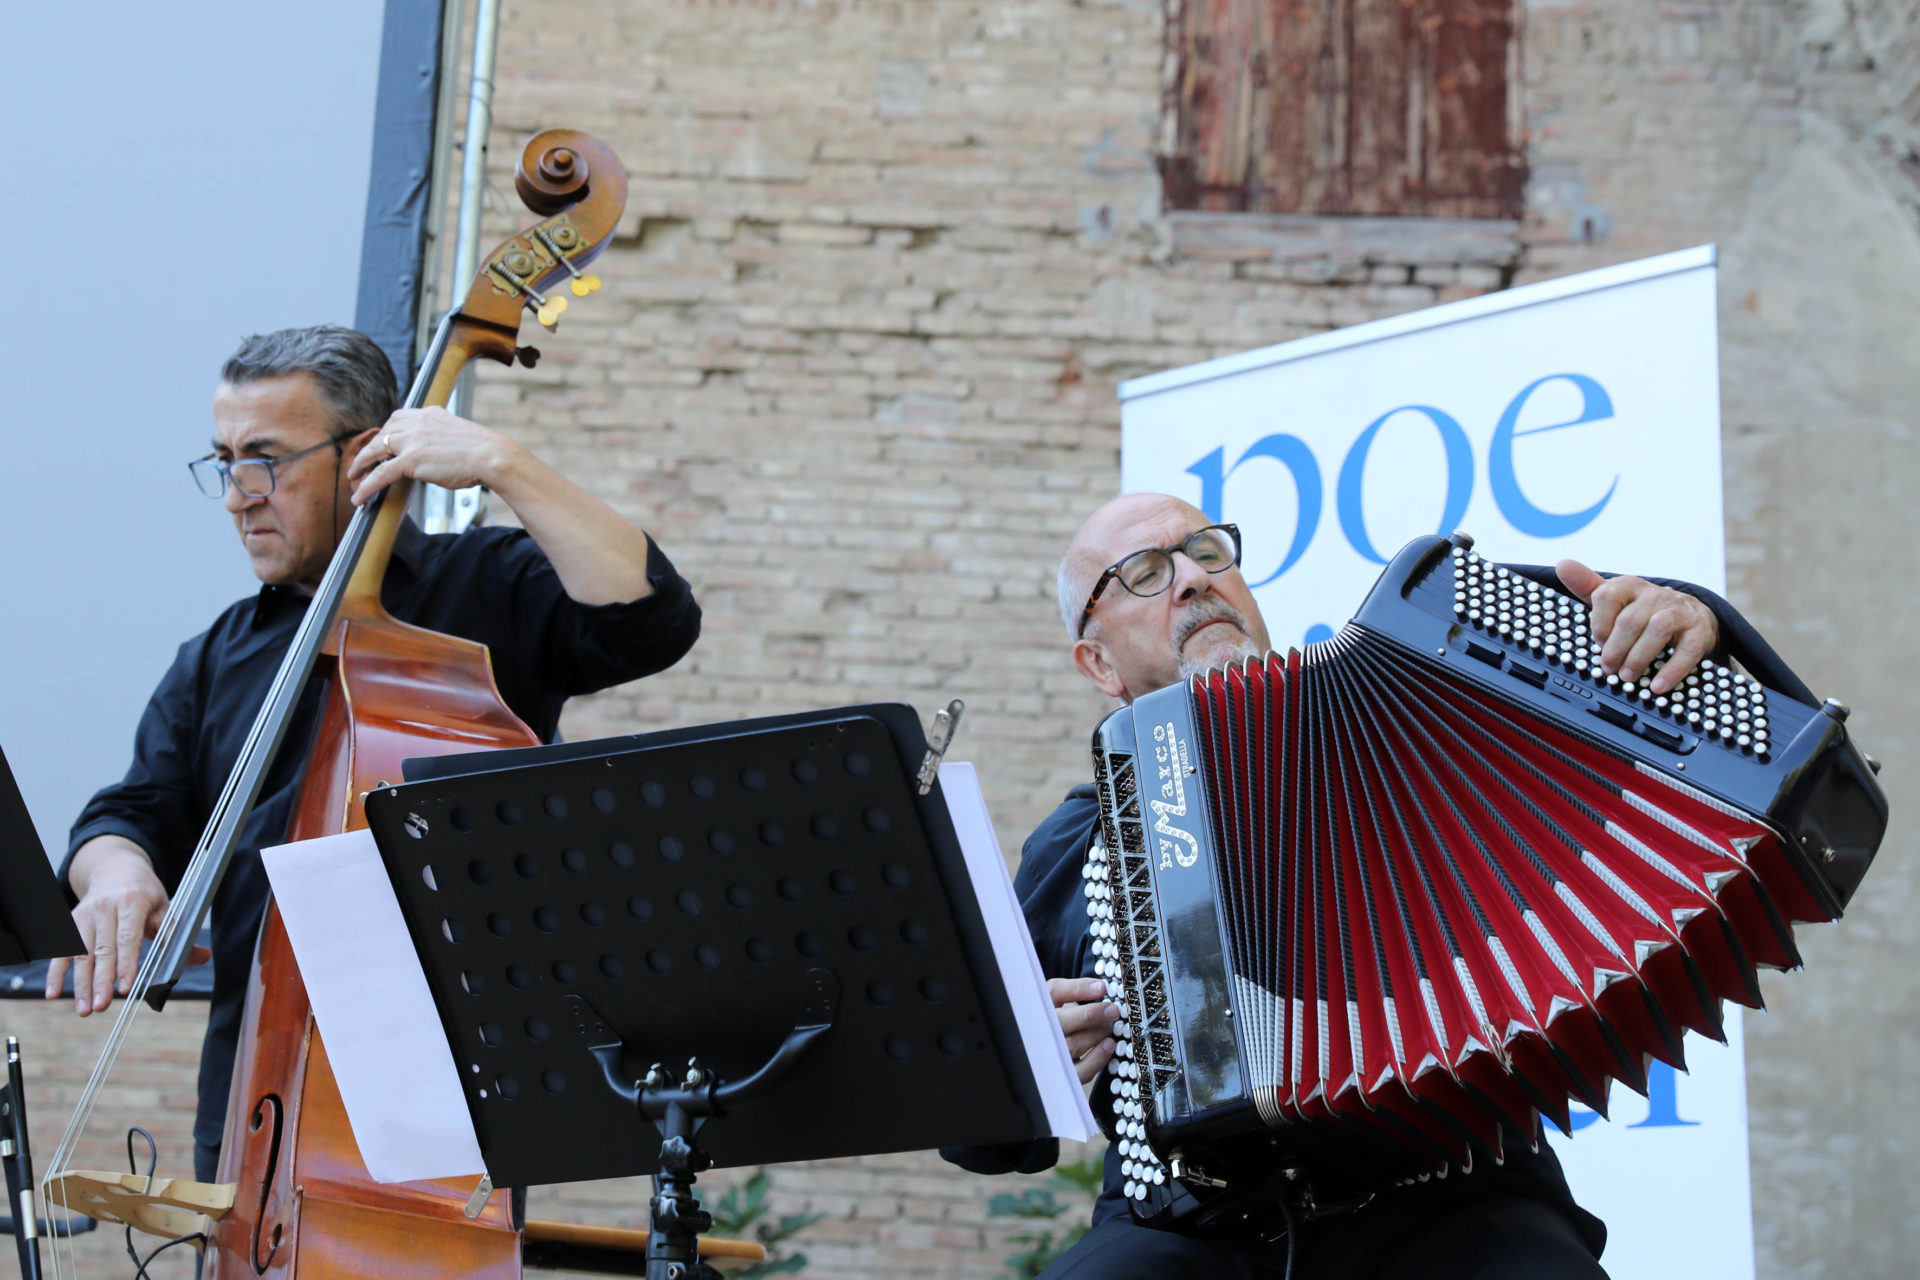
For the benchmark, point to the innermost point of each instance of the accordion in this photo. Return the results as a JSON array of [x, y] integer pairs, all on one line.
[[1368, 907]]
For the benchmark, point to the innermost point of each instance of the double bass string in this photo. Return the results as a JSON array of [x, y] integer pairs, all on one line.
[[165, 959]]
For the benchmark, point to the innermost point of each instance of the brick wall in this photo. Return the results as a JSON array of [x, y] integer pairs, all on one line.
[[882, 268], [854, 365]]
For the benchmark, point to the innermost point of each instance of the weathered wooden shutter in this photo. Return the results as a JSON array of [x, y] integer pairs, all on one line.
[[1384, 107]]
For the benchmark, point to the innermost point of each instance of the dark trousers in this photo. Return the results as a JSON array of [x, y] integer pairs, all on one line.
[[1507, 1239]]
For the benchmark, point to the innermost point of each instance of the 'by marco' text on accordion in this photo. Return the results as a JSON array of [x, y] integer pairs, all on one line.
[[1371, 908]]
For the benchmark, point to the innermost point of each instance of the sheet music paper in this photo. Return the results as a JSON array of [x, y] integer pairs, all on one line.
[[384, 1041], [1065, 1100]]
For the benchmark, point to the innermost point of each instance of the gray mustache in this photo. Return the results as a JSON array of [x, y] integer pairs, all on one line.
[[1201, 613]]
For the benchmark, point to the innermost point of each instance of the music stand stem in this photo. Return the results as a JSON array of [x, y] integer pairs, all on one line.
[[679, 1111], [674, 1212], [19, 1165]]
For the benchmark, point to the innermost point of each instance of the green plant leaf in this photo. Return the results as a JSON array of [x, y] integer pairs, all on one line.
[[741, 1213], [1033, 1202], [790, 1223], [1069, 1190]]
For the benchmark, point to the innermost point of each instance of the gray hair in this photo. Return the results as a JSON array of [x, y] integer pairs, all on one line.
[[353, 374], [1072, 586]]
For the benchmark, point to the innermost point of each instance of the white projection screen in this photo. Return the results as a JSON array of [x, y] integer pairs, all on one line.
[[179, 177]]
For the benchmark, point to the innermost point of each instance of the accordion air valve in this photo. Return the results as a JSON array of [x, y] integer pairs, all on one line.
[[1371, 908]]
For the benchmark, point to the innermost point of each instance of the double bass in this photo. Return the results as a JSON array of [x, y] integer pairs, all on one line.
[[294, 1196]]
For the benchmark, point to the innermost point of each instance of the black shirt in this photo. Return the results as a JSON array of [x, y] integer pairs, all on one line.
[[1048, 884], [490, 584]]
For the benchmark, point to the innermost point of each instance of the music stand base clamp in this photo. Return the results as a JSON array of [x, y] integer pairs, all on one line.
[[679, 1111], [677, 1220]]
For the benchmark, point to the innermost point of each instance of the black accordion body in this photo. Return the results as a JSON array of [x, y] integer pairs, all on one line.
[[1369, 908]]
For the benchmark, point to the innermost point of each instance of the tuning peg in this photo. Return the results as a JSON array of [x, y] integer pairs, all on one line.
[[583, 282], [528, 356], [546, 310]]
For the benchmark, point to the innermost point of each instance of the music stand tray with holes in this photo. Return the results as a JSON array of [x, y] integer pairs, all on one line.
[[767, 910]]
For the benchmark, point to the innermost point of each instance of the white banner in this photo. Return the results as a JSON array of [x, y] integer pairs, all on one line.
[[1579, 417]]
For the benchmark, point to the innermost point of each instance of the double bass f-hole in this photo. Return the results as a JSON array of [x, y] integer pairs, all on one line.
[[267, 1111]]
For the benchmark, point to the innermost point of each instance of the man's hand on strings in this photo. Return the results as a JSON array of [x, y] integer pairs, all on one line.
[[434, 446], [1634, 621], [121, 902], [1087, 1019]]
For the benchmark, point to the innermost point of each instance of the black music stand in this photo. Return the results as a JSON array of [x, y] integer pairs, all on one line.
[[772, 903], [35, 921], [35, 924]]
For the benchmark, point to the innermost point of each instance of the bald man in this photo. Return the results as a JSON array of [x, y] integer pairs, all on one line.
[[1151, 592]]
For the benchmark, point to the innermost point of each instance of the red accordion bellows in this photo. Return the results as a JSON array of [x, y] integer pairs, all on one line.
[[1368, 909], [1443, 911]]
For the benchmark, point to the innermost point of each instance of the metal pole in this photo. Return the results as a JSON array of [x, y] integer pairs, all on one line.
[[473, 158], [19, 1165], [452, 27], [447, 511]]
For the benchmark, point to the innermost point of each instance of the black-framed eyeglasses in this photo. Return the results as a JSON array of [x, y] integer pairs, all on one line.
[[1150, 571], [251, 476]]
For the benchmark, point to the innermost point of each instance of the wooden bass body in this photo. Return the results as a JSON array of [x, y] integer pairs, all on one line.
[[306, 1206]]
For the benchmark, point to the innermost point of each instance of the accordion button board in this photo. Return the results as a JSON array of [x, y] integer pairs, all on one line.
[[1371, 908]]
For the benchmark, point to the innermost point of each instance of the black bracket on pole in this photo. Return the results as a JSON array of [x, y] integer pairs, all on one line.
[[679, 1110]]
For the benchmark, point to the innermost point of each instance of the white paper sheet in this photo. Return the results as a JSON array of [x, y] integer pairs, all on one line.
[[1068, 1115], [397, 1076]]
